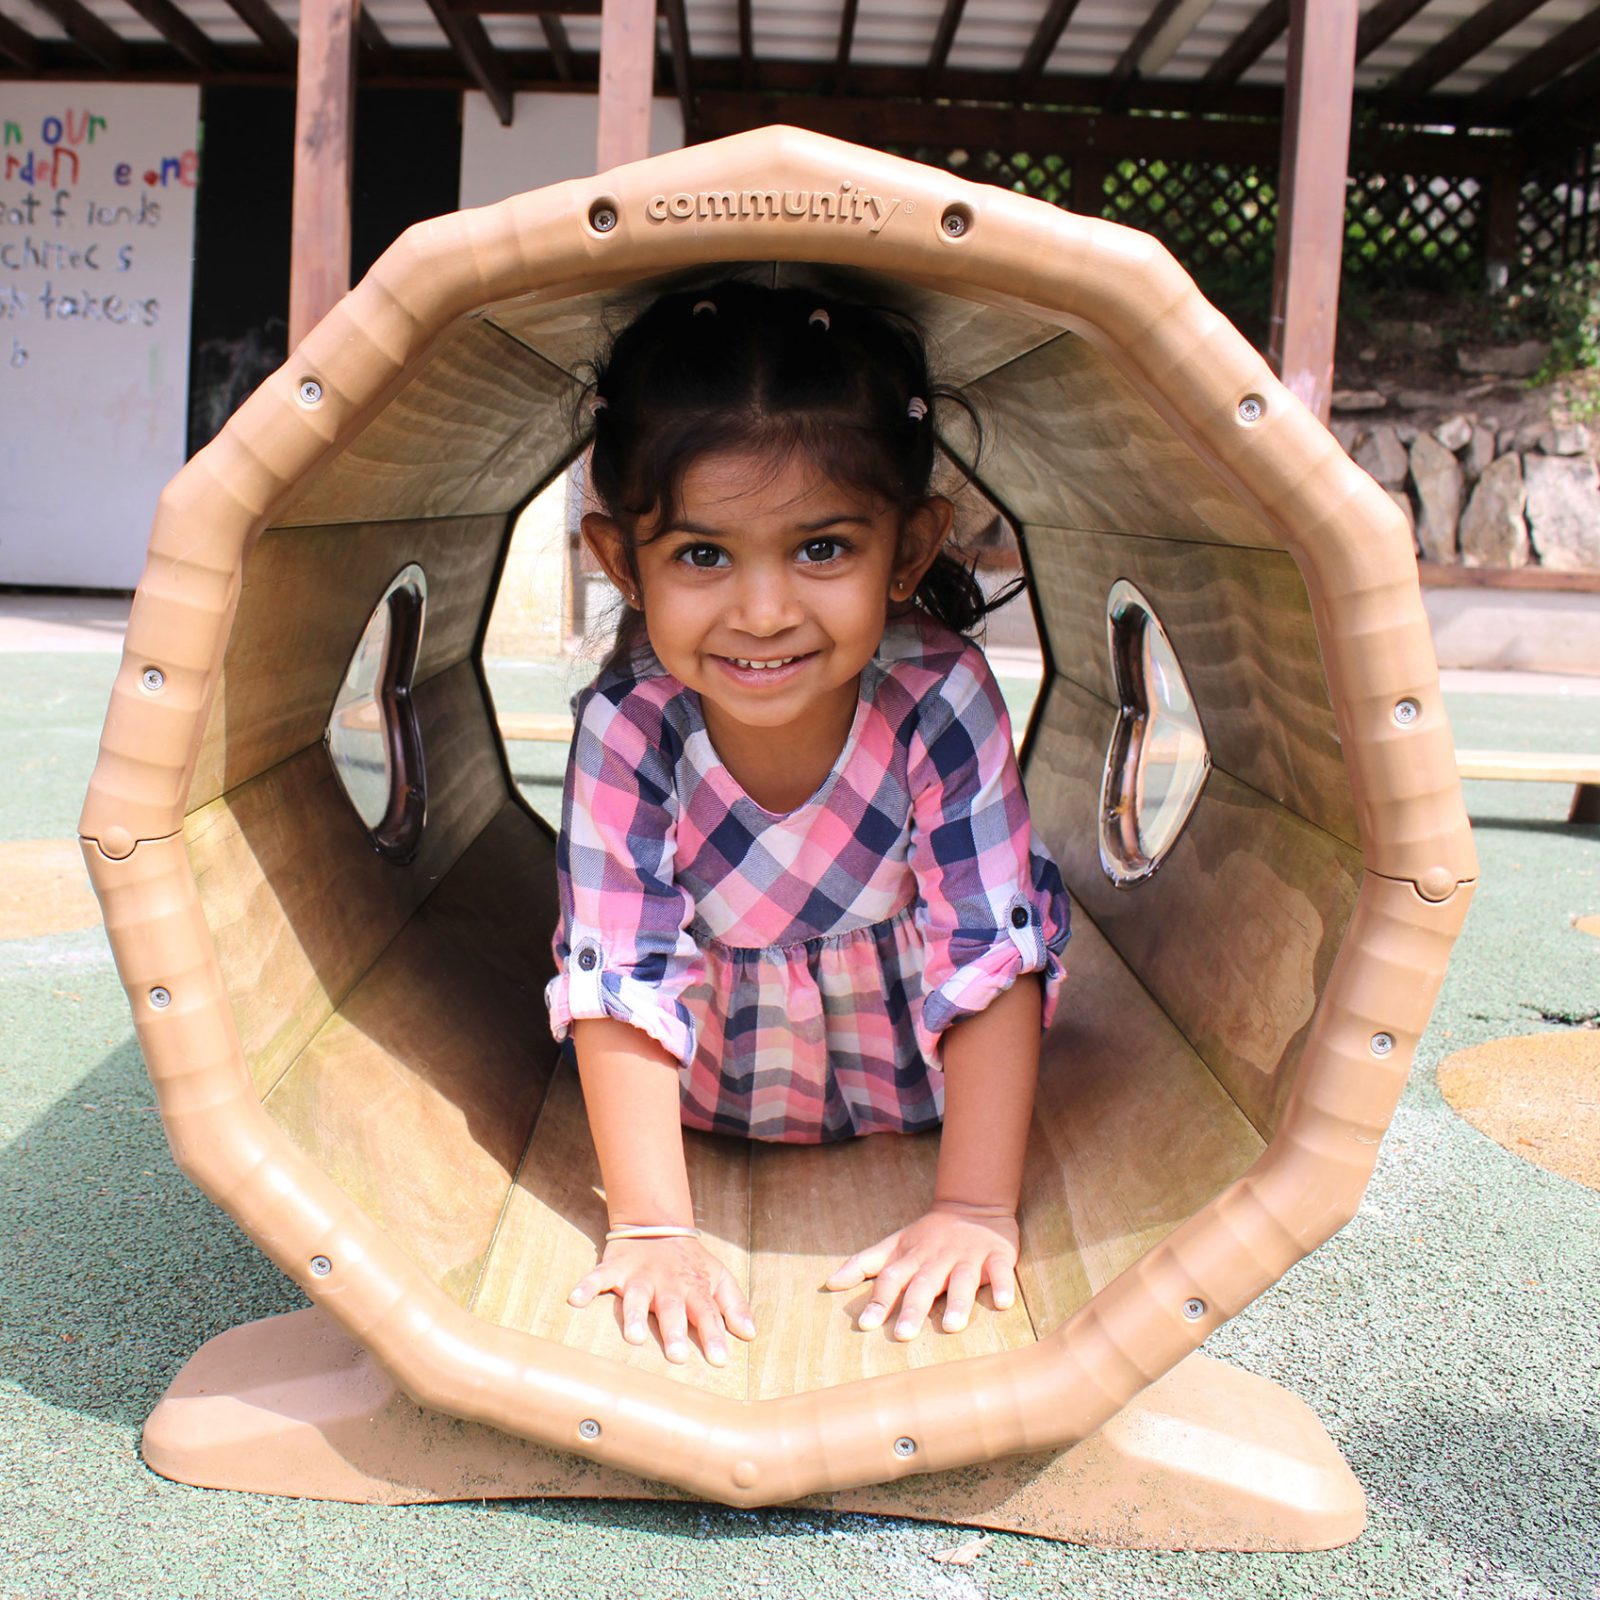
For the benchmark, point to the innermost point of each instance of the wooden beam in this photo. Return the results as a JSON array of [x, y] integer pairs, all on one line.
[[89, 33], [1128, 62], [1539, 67], [747, 49], [555, 35], [1384, 20], [268, 27], [382, 56], [324, 142], [477, 54], [1550, 114], [1043, 45], [1311, 197], [180, 33], [627, 78], [847, 35], [682, 64], [18, 45], [1457, 48], [1258, 36], [949, 21]]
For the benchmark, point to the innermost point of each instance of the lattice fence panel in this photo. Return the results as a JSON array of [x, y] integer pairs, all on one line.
[[1414, 229], [1558, 219]]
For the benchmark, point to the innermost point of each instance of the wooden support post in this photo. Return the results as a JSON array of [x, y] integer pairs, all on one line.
[[324, 141], [1502, 237], [1311, 196], [627, 77]]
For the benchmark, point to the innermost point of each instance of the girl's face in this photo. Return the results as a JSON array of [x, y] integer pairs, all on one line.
[[770, 591]]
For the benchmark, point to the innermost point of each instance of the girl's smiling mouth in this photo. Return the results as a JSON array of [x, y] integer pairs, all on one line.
[[762, 670]]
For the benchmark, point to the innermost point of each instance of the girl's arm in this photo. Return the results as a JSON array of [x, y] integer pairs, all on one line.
[[969, 1234], [630, 1089]]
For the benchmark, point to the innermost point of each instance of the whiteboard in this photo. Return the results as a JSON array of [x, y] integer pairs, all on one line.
[[97, 187], [551, 138]]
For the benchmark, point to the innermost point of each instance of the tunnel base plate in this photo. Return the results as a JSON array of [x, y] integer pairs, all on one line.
[[1207, 1458]]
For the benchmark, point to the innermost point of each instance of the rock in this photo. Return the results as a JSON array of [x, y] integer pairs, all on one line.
[[1563, 510], [1403, 500], [1454, 433], [1349, 434], [1505, 441], [1358, 400], [1528, 437], [1570, 440], [1423, 400], [1406, 432], [1382, 454], [1506, 361], [1493, 533], [1437, 475], [1480, 452]]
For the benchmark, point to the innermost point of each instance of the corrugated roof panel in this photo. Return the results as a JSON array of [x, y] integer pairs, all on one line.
[[35, 19], [1096, 37], [993, 37]]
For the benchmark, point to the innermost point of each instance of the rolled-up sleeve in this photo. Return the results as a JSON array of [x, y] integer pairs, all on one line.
[[622, 945], [991, 899]]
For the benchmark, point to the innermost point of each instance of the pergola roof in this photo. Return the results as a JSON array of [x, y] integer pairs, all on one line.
[[1483, 63]]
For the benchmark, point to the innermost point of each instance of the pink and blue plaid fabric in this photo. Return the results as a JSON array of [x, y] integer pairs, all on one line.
[[800, 968]]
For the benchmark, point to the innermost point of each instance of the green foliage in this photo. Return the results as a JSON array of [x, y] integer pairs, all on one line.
[[1563, 306]]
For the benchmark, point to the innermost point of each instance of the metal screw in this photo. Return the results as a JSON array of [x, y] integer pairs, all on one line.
[[154, 678], [602, 219], [905, 1447], [588, 1429], [310, 392], [955, 223], [1406, 712], [160, 998], [1250, 409], [321, 1266], [1194, 1309], [1382, 1043]]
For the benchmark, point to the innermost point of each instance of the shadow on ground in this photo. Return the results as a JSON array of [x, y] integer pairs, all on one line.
[[114, 1268]]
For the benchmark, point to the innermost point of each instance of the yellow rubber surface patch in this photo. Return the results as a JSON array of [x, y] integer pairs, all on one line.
[[1588, 925], [44, 889], [1538, 1095]]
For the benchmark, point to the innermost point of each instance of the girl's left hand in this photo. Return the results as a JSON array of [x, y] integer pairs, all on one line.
[[943, 1252]]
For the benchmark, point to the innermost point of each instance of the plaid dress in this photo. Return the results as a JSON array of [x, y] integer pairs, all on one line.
[[801, 967]]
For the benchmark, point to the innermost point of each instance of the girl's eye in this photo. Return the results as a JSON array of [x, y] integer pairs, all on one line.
[[823, 549], [702, 555]]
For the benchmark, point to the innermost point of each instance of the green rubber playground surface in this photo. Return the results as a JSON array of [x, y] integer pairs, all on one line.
[[1449, 1337]]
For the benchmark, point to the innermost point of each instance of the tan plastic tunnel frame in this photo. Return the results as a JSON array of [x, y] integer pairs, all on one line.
[[1124, 294]]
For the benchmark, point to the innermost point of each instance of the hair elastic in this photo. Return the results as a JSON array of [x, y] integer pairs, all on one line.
[[702, 306], [597, 405], [820, 319], [916, 408]]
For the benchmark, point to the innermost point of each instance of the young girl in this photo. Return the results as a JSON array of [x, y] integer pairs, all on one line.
[[800, 895]]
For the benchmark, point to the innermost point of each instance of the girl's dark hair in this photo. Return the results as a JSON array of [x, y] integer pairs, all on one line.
[[739, 367]]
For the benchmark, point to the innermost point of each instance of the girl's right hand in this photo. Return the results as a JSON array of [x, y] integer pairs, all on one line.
[[680, 1281]]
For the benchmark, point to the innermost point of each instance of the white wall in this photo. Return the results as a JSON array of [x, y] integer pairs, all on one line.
[[97, 186], [551, 138]]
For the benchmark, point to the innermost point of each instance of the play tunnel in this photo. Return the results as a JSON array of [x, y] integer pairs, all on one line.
[[332, 910]]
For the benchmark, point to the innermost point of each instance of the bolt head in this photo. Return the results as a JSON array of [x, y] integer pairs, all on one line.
[[310, 392], [904, 1446], [321, 1266], [1251, 409], [1194, 1309], [160, 998], [1406, 712], [588, 1429], [955, 224], [153, 679], [1382, 1043], [602, 219]]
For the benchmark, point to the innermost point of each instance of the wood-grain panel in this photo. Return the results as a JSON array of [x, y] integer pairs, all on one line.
[[1235, 933], [1070, 444], [418, 1095], [811, 1206], [475, 429], [306, 599], [1131, 1134], [1240, 621], [554, 1227], [299, 903]]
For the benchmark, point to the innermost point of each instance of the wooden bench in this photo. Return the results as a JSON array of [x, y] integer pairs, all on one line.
[[1583, 772]]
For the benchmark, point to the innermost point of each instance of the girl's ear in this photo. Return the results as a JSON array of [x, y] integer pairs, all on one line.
[[926, 530], [605, 540]]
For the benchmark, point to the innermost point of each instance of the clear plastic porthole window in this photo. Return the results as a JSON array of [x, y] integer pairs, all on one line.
[[1158, 760], [372, 735]]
